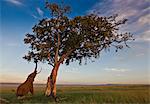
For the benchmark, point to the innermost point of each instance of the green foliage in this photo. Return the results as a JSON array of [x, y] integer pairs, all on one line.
[[81, 37]]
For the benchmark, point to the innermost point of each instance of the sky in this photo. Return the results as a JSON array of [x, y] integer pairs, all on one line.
[[127, 66]]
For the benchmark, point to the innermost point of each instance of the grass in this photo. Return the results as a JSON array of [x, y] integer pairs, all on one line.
[[108, 94]]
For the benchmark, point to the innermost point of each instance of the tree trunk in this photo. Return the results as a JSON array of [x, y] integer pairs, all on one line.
[[51, 82]]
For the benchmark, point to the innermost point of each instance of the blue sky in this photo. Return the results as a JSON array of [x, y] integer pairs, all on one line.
[[130, 65]]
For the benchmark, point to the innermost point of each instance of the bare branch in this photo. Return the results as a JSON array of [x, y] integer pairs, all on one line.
[[39, 71]]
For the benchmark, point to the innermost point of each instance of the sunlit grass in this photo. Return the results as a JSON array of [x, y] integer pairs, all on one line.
[[127, 94]]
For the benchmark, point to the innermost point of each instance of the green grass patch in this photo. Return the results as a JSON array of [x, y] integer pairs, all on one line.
[[127, 94]]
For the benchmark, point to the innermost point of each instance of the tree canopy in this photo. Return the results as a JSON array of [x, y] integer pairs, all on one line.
[[60, 38]]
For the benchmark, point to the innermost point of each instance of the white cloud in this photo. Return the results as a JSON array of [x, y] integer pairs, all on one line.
[[127, 14], [140, 54], [72, 70], [40, 12], [145, 36], [137, 13], [15, 2], [34, 16], [144, 19], [115, 70], [147, 9]]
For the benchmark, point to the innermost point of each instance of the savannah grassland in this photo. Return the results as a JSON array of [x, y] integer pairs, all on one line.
[[77, 94]]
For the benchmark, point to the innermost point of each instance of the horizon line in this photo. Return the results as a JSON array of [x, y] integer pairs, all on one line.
[[82, 84]]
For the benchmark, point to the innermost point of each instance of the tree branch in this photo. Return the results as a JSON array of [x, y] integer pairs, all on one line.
[[65, 55], [49, 59], [57, 49], [51, 64]]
